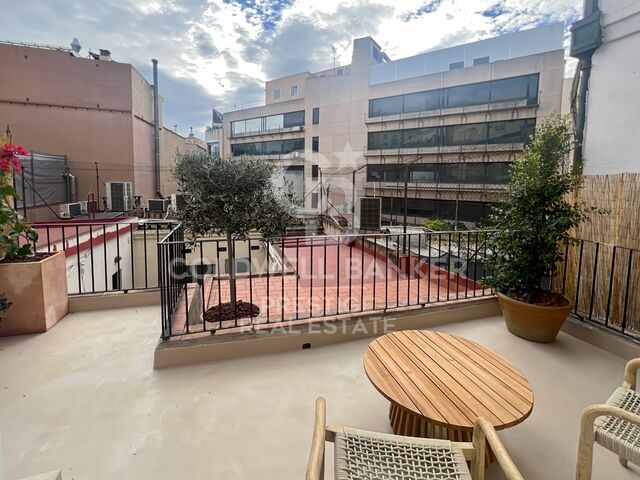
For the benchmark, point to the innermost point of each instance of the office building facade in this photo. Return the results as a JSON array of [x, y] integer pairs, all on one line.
[[449, 121]]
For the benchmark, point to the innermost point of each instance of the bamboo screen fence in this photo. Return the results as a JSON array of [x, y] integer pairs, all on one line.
[[601, 275]]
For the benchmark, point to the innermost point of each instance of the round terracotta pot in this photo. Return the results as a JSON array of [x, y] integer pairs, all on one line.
[[533, 322]]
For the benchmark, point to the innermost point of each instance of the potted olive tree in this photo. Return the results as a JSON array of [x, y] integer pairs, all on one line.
[[34, 284], [533, 221], [232, 197]]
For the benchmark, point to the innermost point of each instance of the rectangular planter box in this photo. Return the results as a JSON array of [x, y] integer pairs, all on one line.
[[38, 293]]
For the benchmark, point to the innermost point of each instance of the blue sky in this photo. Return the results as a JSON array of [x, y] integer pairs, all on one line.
[[218, 53]]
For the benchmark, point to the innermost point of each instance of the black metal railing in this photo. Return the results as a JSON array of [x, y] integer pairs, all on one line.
[[292, 279], [602, 281], [105, 256]]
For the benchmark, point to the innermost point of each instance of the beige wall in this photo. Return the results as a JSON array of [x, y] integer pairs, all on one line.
[[170, 144], [91, 111], [344, 124], [284, 84]]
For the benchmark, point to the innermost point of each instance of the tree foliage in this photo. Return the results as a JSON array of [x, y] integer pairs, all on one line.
[[232, 196], [537, 213]]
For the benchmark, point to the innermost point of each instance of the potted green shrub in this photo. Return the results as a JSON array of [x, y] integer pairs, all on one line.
[[34, 284], [533, 221]]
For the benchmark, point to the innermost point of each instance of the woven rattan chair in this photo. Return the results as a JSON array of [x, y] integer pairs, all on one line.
[[615, 425], [364, 455]]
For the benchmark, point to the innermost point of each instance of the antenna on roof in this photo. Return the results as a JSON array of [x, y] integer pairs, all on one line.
[[75, 45], [333, 49]]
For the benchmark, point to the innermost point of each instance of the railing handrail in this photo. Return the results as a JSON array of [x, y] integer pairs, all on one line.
[[341, 235]]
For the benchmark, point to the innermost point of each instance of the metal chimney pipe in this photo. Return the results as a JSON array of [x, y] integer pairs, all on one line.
[[156, 128]]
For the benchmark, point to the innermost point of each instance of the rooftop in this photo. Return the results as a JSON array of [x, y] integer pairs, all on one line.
[[85, 398]]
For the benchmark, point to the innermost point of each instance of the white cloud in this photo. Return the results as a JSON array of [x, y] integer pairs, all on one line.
[[220, 52]]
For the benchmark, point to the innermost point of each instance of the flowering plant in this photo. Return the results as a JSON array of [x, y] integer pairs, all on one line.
[[12, 224]]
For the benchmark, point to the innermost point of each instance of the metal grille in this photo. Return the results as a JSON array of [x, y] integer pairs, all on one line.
[[44, 180], [370, 213]]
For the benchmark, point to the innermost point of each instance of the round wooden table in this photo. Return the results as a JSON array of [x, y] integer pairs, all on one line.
[[439, 384]]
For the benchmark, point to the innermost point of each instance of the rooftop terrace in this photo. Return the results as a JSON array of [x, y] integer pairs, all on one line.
[[85, 398]]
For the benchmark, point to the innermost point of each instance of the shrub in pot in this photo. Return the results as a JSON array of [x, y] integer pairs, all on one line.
[[34, 284], [533, 221]]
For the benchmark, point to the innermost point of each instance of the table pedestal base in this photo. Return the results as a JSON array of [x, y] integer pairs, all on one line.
[[411, 425]]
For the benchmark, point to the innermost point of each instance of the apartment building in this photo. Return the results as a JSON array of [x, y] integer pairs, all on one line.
[[449, 120], [95, 112]]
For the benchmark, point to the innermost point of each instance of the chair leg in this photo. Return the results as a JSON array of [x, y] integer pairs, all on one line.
[[623, 461], [585, 444]]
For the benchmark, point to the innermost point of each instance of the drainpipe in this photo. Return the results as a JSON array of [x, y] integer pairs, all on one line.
[[586, 38], [585, 73], [156, 130]]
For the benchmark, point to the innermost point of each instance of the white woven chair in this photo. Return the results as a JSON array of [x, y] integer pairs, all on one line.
[[615, 425], [364, 455]]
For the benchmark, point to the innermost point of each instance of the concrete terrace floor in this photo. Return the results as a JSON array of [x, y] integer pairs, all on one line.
[[84, 398]]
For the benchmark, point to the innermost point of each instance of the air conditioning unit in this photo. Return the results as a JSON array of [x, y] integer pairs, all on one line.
[[158, 205], [296, 154], [70, 210], [297, 128], [83, 206], [177, 201], [119, 195]]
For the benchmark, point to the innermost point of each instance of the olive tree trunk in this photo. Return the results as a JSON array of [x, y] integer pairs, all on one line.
[[231, 254]]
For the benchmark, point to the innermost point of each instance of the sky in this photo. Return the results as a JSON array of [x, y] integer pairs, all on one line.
[[218, 53]]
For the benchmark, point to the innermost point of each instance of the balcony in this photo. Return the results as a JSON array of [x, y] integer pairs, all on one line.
[[84, 397]]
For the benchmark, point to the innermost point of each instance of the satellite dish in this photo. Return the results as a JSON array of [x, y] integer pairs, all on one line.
[[75, 45]]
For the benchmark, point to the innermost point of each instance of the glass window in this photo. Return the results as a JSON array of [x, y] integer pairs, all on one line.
[[276, 93], [456, 65], [253, 125], [385, 106], [293, 119], [498, 173], [292, 145], [419, 137], [468, 95], [512, 131], [532, 89], [273, 122], [472, 134], [509, 89], [385, 140], [462, 173], [315, 144], [214, 149], [385, 173], [294, 90], [423, 172], [314, 200], [422, 101], [274, 147], [314, 172], [238, 127], [316, 116], [480, 61]]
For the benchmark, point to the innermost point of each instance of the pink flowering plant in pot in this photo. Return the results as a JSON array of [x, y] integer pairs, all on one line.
[[13, 228]]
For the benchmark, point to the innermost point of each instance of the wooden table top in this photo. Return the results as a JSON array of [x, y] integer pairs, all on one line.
[[448, 379]]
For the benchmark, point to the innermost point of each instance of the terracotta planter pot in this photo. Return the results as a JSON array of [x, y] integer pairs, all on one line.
[[533, 322], [38, 293]]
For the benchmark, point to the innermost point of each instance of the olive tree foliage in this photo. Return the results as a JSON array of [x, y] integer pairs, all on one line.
[[232, 197], [537, 213]]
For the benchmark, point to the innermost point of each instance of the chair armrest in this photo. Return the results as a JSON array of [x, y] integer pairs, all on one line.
[[592, 412], [630, 371], [315, 467], [483, 433]]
